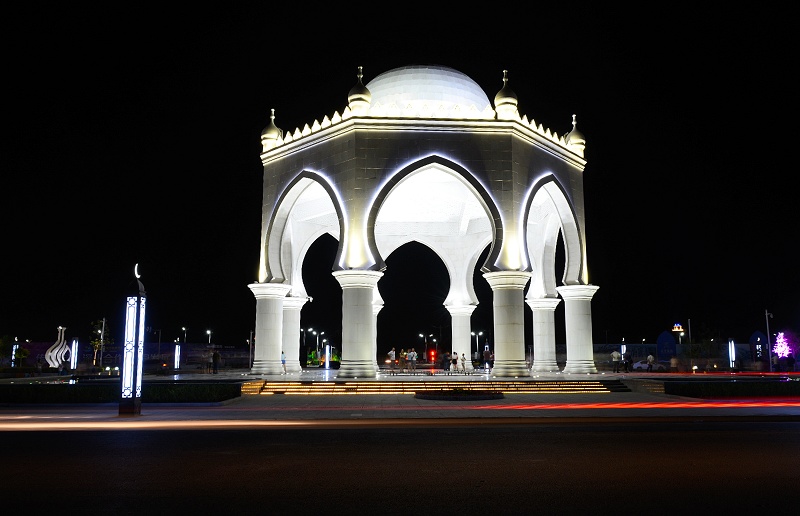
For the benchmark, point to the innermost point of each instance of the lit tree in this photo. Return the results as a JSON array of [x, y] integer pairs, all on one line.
[[781, 347]]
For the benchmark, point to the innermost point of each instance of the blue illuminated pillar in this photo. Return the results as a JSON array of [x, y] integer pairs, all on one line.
[[130, 403]]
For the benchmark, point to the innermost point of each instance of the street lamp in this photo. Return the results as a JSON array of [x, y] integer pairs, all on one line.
[[477, 348], [767, 317], [209, 336], [184, 334]]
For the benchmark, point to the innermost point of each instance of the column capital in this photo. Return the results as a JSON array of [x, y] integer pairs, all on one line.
[[294, 302], [357, 278], [269, 290], [461, 309], [543, 303], [577, 292], [507, 279]]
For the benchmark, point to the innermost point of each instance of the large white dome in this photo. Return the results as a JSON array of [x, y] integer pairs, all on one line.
[[439, 87]]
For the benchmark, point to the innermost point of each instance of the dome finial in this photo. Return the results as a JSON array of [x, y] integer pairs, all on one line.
[[575, 139], [271, 133], [505, 102], [359, 97]]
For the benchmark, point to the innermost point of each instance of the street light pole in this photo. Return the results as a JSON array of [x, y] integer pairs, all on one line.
[[767, 317], [184, 334], [209, 336]]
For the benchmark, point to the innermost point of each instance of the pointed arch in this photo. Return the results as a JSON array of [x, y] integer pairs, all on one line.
[[549, 212], [307, 208]]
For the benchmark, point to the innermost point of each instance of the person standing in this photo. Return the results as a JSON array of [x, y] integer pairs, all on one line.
[[215, 358], [283, 361], [463, 363], [392, 356], [403, 358], [210, 362], [650, 361], [455, 362], [615, 356], [673, 364], [412, 357], [486, 356]]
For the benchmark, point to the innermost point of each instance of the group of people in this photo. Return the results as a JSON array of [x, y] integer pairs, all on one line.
[[626, 362], [406, 360], [213, 359]]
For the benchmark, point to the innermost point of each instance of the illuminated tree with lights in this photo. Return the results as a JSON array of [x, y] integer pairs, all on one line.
[[781, 348]]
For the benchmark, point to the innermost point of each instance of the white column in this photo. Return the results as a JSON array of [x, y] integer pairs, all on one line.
[[358, 322], [544, 334], [269, 326], [578, 320], [376, 307], [509, 322], [291, 332], [462, 336]]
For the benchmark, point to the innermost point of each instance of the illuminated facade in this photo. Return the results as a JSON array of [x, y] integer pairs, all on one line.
[[420, 154]]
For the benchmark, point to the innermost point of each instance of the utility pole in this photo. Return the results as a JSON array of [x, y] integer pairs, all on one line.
[[102, 343]]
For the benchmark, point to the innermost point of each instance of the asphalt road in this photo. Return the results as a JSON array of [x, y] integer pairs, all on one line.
[[450, 466]]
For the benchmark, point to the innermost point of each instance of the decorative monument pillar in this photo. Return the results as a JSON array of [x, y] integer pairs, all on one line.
[[358, 322], [130, 403], [462, 336], [291, 332], [544, 337], [578, 319], [509, 322], [269, 326]]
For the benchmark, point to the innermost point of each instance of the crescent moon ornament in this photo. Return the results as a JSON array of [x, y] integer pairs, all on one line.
[[136, 271]]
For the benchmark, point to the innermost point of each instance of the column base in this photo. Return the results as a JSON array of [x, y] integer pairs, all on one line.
[[357, 369], [580, 367], [545, 366], [267, 367], [510, 369]]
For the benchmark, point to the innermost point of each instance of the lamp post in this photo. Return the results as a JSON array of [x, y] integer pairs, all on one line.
[[767, 317], [209, 336], [184, 334], [477, 348], [318, 335], [424, 341]]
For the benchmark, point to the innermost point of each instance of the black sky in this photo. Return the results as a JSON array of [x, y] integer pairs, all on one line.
[[133, 137]]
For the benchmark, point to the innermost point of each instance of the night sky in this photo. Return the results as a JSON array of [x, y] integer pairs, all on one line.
[[133, 137]]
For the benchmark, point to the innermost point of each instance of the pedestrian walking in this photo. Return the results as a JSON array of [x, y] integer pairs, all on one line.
[[215, 358], [651, 360], [391, 356], [283, 361], [615, 357]]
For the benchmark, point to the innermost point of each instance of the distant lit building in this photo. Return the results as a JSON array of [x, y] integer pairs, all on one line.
[[421, 154]]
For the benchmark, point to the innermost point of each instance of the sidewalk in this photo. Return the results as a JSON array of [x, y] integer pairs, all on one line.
[[261, 409]]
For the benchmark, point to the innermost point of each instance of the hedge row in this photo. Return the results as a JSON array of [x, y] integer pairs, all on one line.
[[110, 393]]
